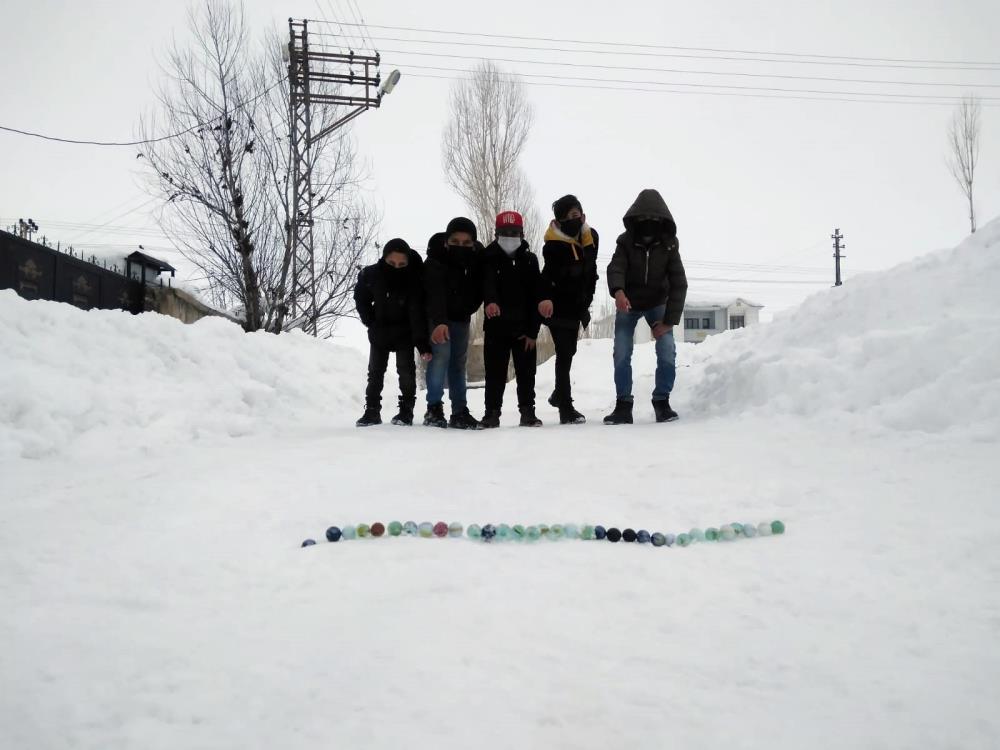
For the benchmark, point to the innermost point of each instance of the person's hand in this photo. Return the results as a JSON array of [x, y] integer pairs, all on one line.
[[492, 310], [661, 329], [529, 343], [545, 308], [622, 302], [426, 357], [440, 334]]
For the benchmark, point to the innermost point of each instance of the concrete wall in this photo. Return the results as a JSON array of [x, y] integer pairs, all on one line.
[[179, 304]]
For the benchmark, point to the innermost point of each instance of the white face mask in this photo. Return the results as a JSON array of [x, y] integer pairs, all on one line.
[[509, 244]]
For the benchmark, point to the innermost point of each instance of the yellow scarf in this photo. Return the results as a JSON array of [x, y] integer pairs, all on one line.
[[555, 233]]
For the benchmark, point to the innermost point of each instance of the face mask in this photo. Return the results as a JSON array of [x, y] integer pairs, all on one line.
[[571, 227], [509, 245], [647, 229]]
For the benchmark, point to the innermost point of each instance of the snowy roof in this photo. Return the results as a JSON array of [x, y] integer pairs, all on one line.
[[702, 303]]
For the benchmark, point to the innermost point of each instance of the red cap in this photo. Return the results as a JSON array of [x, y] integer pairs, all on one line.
[[509, 219]]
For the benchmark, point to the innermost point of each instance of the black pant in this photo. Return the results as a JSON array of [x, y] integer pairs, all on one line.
[[378, 361], [565, 339], [497, 352]]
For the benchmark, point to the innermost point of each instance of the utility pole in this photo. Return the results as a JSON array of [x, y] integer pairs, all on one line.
[[329, 78], [837, 247]]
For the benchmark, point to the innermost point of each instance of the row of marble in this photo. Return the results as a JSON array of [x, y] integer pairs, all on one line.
[[555, 532]]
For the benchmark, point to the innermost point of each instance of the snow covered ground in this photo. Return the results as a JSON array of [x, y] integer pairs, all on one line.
[[157, 480]]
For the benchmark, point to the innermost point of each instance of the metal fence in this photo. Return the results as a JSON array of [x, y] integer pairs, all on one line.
[[38, 272]]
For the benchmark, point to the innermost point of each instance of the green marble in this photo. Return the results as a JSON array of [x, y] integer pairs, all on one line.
[[534, 533], [364, 531], [395, 528], [777, 527]]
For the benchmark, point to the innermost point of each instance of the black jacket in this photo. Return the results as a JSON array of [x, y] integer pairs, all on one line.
[[453, 285], [513, 284], [390, 304], [650, 275], [569, 277]]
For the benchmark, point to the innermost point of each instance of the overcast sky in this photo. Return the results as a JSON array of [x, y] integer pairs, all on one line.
[[749, 179]]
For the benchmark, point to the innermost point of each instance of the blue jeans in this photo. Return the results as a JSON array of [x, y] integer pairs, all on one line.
[[448, 361], [666, 353]]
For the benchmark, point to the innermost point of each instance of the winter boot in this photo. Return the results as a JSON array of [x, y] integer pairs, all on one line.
[[663, 411], [405, 416], [622, 413], [435, 416], [554, 400], [371, 417], [569, 415], [528, 418], [462, 420], [491, 420]]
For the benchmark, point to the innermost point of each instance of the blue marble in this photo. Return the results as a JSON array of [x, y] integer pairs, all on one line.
[[642, 536], [600, 532], [658, 539], [308, 542], [410, 528], [349, 532], [488, 533], [333, 534]]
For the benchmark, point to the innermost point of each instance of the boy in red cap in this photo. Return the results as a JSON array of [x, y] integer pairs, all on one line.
[[511, 294]]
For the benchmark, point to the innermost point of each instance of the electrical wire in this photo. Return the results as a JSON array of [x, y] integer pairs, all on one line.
[[673, 71], [80, 142], [833, 98], [835, 79], [794, 56]]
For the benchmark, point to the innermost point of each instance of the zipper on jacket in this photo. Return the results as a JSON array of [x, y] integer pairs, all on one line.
[[646, 282]]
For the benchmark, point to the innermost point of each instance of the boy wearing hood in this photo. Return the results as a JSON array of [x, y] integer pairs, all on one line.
[[390, 304], [454, 290], [646, 277], [510, 292], [569, 279]]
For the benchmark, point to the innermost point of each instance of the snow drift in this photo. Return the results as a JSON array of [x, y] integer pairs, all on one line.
[[916, 347], [111, 377]]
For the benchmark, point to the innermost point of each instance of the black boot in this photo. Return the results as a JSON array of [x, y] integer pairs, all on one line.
[[405, 416], [528, 418], [435, 416], [622, 413], [372, 416], [554, 400], [663, 411], [491, 420], [462, 420], [569, 415]]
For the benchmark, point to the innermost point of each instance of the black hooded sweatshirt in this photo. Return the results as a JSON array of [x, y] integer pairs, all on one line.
[[650, 272], [390, 304], [453, 282], [513, 283]]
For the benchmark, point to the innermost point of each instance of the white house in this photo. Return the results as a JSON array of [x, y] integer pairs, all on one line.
[[705, 317]]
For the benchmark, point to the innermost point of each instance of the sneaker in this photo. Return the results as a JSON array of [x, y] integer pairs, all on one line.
[[569, 415], [434, 417], [491, 420], [462, 420], [528, 418], [663, 411], [370, 418], [622, 413]]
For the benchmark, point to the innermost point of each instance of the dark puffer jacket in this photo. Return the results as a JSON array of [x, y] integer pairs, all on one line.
[[513, 284], [390, 304], [650, 274], [453, 282], [569, 277]]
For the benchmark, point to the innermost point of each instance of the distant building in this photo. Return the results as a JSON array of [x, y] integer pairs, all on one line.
[[706, 317]]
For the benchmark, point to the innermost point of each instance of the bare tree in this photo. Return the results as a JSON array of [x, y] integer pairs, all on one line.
[[225, 179], [490, 119], [963, 143]]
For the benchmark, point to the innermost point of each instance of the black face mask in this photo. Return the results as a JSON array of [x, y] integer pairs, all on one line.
[[571, 227], [459, 253], [648, 229]]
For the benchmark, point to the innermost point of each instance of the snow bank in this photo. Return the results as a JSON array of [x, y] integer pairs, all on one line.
[[916, 347], [110, 380]]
